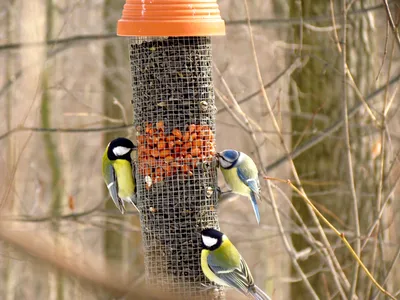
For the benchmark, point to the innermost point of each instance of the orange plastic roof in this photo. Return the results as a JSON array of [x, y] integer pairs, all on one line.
[[171, 18]]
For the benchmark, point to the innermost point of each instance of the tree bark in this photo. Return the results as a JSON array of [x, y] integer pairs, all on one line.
[[318, 91]]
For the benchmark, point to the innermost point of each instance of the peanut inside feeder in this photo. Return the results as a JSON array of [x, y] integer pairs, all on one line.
[[162, 155]]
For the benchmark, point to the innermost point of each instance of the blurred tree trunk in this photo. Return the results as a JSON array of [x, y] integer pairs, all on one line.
[[319, 89], [113, 241], [8, 200], [23, 97], [122, 245], [51, 148]]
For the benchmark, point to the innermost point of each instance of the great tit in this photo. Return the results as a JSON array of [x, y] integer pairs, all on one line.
[[222, 264], [118, 172], [241, 174]]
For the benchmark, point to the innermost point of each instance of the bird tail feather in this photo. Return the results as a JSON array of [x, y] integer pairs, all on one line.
[[133, 201], [119, 204], [255, 206], [259, 294]]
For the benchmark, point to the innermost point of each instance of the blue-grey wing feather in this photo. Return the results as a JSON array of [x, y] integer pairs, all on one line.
[[112, 185], [250, 179], [237, 277]]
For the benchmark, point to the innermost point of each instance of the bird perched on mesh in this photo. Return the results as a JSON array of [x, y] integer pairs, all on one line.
[[241, 174], [118, 172], [222, 264]]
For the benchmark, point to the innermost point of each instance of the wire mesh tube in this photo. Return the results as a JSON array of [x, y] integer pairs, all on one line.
[[174, 113]]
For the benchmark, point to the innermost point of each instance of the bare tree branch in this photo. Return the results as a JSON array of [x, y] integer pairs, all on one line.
[[331, 129], [393, 26], [263, 22], [61, 256], [64, 130]]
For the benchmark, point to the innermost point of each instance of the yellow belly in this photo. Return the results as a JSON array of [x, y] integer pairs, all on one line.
[[126, 185], [234, 182]]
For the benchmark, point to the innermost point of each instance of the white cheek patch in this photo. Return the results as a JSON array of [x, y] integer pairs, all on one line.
[[209, 241], [121, 151], [224, 164]]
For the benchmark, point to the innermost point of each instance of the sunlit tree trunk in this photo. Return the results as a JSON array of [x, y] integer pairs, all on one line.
[[318, 91]]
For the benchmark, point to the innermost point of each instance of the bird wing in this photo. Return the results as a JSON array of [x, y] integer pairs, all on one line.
[[112, 185], [250, 178], [237, 277]]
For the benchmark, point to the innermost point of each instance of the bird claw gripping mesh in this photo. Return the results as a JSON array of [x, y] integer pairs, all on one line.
[[174, 115]]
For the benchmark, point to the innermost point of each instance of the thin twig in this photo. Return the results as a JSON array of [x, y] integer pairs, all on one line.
[[224, 102], [392, 24], [380, 212], [318, 248], [236, 108], [384, 51], [381, 168], [338, 233], [64, 130], [288, 246], [330, 130], [346, 133], [346, 68], [393, 263], [122, 108], [58, 42], [10, 184], [245, 117], [27, 218], [112, 35], [286, 72]]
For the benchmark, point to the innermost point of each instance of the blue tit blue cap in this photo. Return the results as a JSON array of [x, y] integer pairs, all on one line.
[[230, 155]]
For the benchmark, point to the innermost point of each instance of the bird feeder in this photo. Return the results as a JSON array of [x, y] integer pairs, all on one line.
[[174, 117]]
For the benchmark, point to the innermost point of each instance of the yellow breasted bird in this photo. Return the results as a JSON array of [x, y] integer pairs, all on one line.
[[222, 264], [118, 172], [241, 174]]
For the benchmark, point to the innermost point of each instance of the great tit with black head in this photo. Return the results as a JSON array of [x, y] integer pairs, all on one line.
[[241, 174], [118, 172], [222, 264]]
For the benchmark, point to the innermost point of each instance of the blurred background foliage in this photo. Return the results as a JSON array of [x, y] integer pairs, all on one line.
[[65, 92]]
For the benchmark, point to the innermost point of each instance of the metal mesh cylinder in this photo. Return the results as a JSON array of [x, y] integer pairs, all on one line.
[[174, 115]]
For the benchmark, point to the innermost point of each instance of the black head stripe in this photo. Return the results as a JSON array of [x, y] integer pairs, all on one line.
[[120, 142], [213, 234]]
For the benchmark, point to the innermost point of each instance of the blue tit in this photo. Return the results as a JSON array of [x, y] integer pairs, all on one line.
[[222, 264], [241, 174], [118, 172]]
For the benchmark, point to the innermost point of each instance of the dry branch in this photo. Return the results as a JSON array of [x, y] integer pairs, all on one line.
[[62, 255]]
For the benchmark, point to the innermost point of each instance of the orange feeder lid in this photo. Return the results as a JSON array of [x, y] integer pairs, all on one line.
[[171, 18]]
